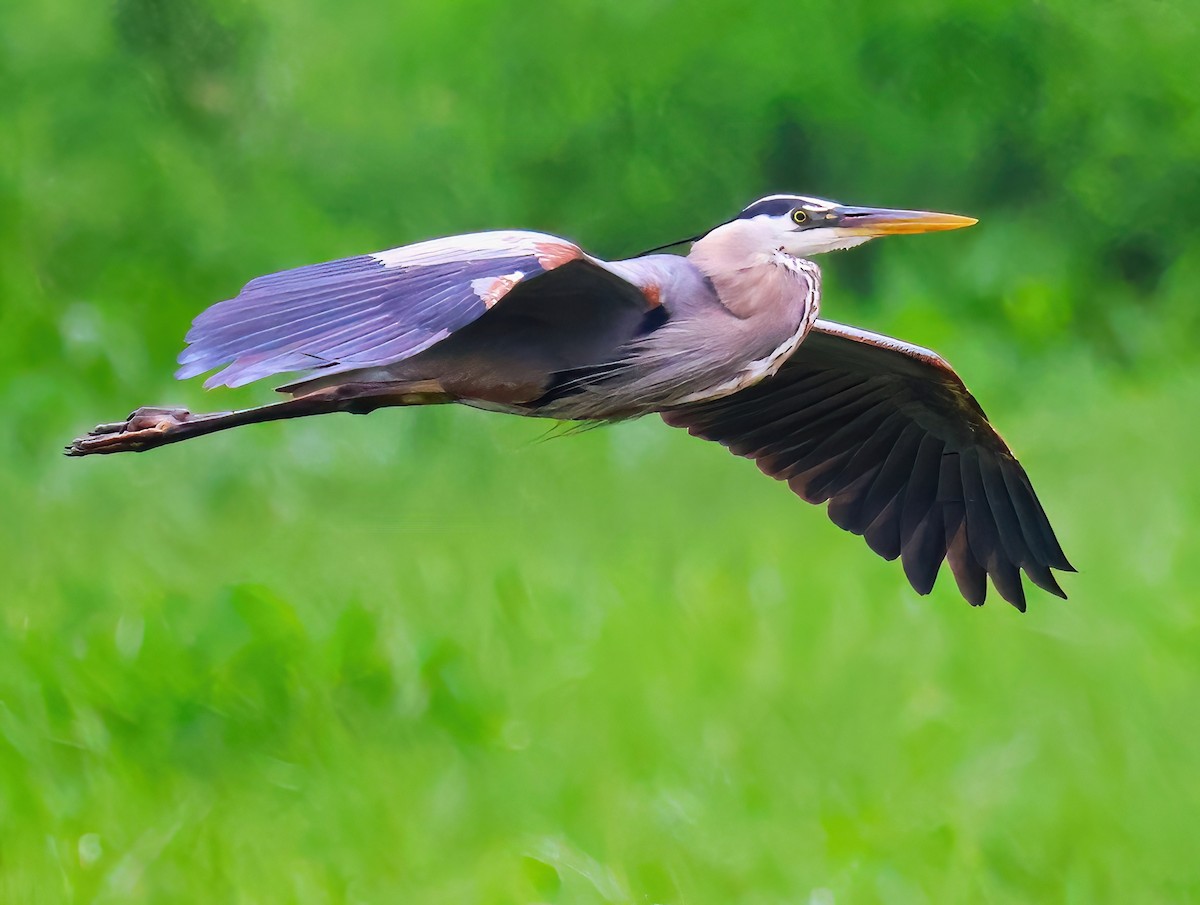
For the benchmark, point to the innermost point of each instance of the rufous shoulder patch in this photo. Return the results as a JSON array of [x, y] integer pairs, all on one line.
[[552, 254]]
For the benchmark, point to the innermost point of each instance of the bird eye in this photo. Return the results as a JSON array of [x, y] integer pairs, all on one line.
[[799, 216]]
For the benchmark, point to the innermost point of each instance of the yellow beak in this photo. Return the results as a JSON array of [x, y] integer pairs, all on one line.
[[881, 221]]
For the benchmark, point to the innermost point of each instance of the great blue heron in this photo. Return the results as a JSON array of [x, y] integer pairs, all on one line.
[[724, 342]]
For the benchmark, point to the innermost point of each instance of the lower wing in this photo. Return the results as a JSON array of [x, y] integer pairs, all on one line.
[[887, 433]]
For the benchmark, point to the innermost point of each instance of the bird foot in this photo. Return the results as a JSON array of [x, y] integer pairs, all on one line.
[[144, 429]]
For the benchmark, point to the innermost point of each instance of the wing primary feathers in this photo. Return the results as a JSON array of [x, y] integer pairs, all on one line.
[[981, 526], [883, 534], [921, 493], [866, 456], [968, 574], [1041, 576], [1033, 519], [902, 453], [801, 480], [254, 321], [857, 429], [897, 469], [1007, 579], [923, 551], [846, 507], [999, 500], [983, 533], [884, 504], [851, 427]]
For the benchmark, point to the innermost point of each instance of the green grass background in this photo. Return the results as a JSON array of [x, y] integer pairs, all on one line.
[[426, 656]]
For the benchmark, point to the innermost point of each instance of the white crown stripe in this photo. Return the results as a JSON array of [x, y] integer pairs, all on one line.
[[806, 201]]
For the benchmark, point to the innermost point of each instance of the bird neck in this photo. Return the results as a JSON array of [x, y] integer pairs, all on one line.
[[752, 274]]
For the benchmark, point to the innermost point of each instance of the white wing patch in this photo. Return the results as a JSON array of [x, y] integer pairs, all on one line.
[[491, 289]]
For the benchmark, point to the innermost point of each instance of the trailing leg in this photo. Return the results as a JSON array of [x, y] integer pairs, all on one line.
[[150, 427]]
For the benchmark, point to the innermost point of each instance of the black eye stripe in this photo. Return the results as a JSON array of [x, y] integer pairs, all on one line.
[[773, 207], [787, 205]]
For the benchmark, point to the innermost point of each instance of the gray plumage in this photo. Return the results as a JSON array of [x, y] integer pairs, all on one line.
[[725, 342]]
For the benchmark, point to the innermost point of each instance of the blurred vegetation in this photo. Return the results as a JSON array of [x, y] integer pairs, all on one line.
[[422, 657]]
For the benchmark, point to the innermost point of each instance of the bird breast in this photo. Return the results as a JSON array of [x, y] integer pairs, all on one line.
[[776, 301]]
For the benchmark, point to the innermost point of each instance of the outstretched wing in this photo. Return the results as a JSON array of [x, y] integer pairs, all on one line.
[[889, 436], [367, 310]]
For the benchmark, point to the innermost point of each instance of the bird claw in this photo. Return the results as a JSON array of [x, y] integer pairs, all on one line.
[[145, 428]]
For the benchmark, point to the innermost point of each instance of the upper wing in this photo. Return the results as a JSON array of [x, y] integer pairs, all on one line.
[[888, 434], [370, 309]]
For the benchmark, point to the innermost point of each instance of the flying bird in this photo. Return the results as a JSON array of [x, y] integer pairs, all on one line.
[[725, 343]]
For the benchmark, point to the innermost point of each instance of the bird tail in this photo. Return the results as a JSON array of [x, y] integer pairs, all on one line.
[[150, 427]]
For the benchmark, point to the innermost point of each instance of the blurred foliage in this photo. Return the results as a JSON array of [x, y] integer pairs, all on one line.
[[158, 153], [422, 657]]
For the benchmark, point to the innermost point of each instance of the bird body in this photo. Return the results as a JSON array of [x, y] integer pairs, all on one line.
[[725, 342]]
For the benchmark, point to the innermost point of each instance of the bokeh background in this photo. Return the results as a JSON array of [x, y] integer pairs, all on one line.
[[425, 656]]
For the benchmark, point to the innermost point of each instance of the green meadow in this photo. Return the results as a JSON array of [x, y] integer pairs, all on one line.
[[443, 656]]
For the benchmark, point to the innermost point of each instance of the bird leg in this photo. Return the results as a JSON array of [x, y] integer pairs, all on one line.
[[150, 426]]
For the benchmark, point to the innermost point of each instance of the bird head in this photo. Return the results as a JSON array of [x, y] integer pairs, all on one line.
[[803, 226]]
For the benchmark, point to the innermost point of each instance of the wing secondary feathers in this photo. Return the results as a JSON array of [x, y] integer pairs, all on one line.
[[889, 436]]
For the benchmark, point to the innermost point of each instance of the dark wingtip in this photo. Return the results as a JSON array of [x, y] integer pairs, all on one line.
[[922, 581], [1050, 585], [924, 589], [1013, 594], [1041, 576]]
